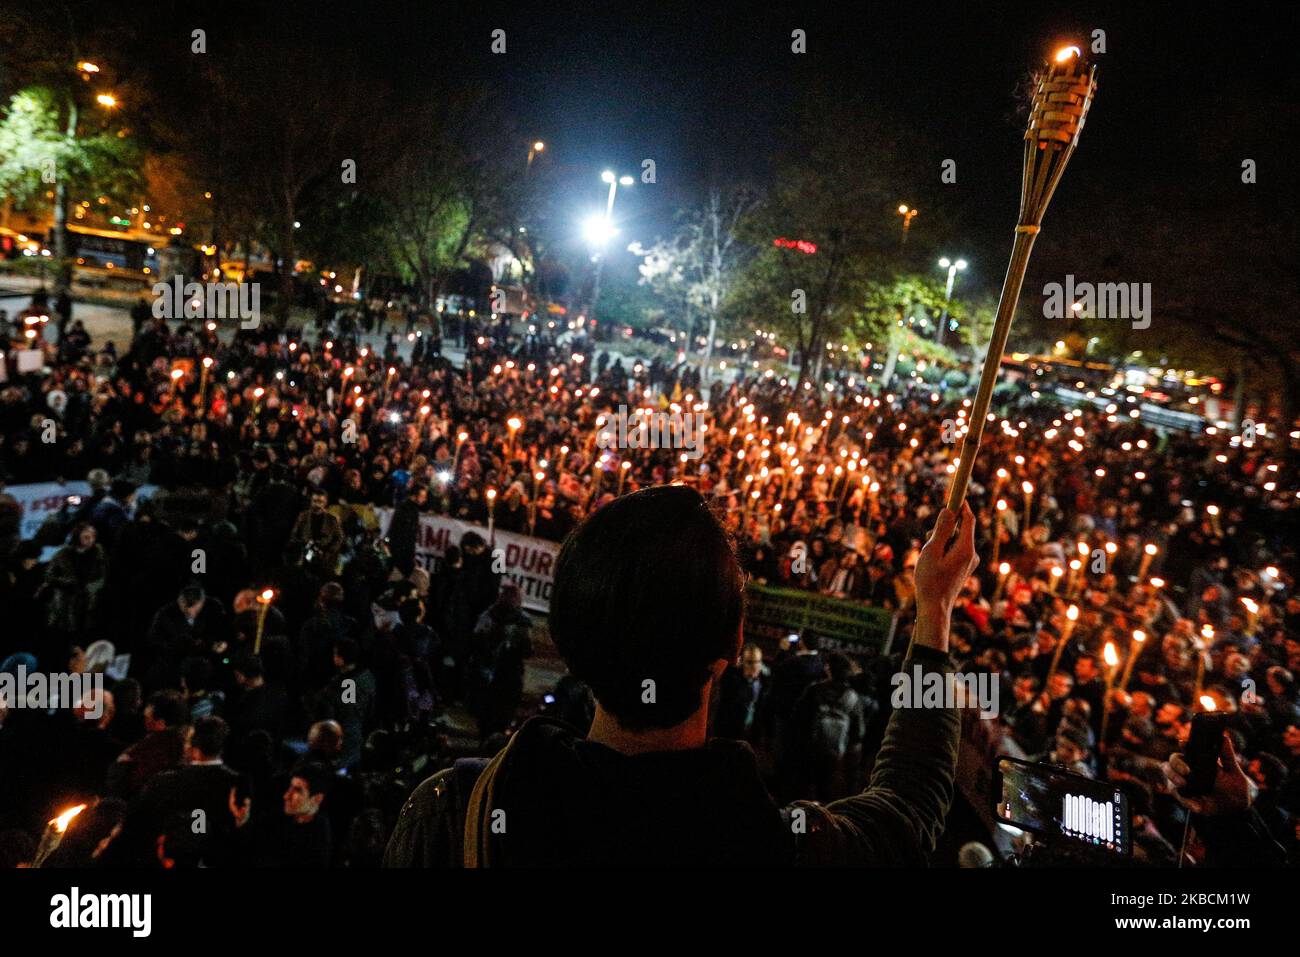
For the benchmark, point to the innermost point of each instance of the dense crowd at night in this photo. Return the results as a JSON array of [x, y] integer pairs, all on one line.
[[1129, 577]]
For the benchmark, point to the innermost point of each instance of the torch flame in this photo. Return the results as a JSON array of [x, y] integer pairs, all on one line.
[[1065, 53], [1072, 613], [61, 822], [1110, 654], [1208, 703]]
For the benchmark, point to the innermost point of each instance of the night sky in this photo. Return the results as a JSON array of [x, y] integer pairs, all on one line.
[[1185, 92]]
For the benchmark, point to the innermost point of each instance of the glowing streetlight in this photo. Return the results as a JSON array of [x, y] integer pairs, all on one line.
[[953, 268], [598, 230], [907, 212]]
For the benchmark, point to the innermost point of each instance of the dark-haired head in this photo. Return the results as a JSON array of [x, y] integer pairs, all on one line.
[[166, 709], [647, 605], [208, 736]]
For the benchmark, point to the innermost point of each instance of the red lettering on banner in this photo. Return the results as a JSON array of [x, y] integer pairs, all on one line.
[[433, 539]]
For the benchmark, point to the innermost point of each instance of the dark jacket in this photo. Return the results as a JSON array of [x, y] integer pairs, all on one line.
[[319, 537], [569, 801], [139, 764], [167, 805], [741, 704], [73, 582]]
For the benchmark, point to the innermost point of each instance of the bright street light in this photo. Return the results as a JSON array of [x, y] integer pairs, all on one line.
[[107, 100], [952, 267], [598, 229]]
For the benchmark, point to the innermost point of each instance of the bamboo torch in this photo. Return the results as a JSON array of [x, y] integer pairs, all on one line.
[[1139, 636], [264, 600], [1064, 91], [53, 835], [1067, 629], [1111, 656]]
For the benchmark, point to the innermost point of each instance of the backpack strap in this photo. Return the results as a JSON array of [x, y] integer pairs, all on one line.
[[476, 845]]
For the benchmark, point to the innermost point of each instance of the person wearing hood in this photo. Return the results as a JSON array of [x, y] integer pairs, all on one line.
[[646, 609]]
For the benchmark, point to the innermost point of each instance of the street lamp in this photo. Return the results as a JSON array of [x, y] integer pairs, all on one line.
[[599, 230], [614, 183], [59, 228], [953, 268], [533, 150], [907, 212]]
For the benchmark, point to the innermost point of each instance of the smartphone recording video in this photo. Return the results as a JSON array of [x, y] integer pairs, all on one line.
[[1064, 808]]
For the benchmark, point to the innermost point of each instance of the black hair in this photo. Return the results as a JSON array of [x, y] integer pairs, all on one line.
[[191, 595], [121, 489], [126, 696], [1272, 769], [331, 595], [169, 708], [648, 595], [314, 773], [209, 736], [839, 665]]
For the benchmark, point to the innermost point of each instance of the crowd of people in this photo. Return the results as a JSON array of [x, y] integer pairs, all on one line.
[[277, 654]]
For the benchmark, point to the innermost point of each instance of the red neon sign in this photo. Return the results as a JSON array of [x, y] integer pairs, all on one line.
[[800, 244]]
